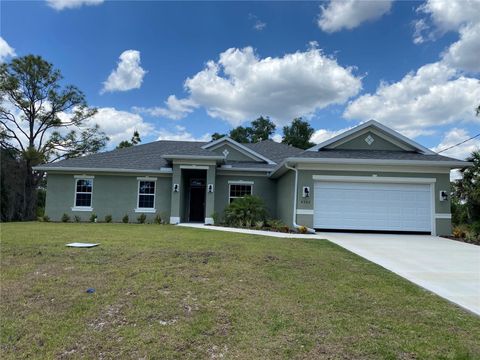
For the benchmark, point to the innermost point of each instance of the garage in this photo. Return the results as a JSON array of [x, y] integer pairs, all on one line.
[[371, 203]]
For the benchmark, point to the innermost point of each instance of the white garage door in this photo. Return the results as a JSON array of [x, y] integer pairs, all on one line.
[[372, 206]]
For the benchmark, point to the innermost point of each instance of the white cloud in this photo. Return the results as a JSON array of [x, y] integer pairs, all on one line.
[[453, 137], [240, 86], [119, 125], [462, 16], [348, 14], [434, 95], [465, 53], [6, 50], [128, 74], [181, 134], [71, 4], [174, 108], [322, 135]]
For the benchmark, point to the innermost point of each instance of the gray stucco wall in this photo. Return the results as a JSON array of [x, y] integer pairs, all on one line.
[[441, 207], [285, 194], [233, 154], [114, 195], [359, 143], [263, 187]]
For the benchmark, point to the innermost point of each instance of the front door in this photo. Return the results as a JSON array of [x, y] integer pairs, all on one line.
[[197, 200]]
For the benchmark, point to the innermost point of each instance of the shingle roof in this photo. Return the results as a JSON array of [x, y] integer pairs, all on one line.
[[139, 157], [273, 150], [372, 154]]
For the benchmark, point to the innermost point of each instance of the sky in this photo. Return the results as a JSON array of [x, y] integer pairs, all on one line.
[[184, 70]]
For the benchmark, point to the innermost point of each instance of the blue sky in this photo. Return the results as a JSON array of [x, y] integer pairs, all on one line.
[[410, 65]]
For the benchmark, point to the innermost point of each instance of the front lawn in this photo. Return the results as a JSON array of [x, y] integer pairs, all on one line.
[[171, 292]]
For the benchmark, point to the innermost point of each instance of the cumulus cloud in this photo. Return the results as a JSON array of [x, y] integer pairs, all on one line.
[[181, 134], [119, 125], [322, 135], [6, 51], [240, 86], [453, 137], [461, 16], [432, 96], [71, 4], [128, 74], [348, 14], [174, 108]]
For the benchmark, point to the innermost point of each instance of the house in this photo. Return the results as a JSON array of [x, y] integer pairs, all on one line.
[[367, 178]]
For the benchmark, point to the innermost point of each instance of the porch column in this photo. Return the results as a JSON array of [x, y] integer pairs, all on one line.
[[176, 195], [210, 198]]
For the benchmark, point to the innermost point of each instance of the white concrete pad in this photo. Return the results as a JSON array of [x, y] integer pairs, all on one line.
[[448, 268]]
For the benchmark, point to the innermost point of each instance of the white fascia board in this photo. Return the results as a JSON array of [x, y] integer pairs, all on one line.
[[194, 157], [378, 125], [444, 164], [242, 148], [374, 179], [102, 170], [244, 169]]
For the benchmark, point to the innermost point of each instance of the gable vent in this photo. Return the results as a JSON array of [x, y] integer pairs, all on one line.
[[369, 140]]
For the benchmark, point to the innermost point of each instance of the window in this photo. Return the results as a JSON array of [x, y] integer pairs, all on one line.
[[239, 190], [146, 194], [83, 192]]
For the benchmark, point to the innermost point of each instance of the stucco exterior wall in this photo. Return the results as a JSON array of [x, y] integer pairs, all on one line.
[[263, 187], [441, 207], [114, 195], [285, 194]]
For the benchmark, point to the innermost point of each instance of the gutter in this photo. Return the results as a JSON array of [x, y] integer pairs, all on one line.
[[295, 225], [102, 170]]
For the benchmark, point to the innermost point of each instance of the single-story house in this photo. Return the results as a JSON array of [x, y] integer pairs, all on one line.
[[367, 178]]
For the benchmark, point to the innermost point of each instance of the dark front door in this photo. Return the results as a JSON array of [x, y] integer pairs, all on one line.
[[197, 200]]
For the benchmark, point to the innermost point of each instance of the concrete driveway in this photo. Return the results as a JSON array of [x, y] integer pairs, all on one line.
[[448, 268]]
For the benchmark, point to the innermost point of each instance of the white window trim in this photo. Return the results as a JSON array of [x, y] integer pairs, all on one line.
[[238, 182], [82, 208], [146, 210]]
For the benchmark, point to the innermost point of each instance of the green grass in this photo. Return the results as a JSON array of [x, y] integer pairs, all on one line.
[[170, 292]]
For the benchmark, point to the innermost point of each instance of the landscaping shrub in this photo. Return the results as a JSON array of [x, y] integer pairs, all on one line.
[[65, 217], [108, 218], [125, 219], [77, 218], [157, 219], [278, 225], [460, 231], [45, 218], [141, 218], [93, 217], [246, 211]]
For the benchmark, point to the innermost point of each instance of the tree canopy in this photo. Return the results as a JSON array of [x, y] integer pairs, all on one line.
[[133, 141], [42, 121], [261, 129], [298, 134]]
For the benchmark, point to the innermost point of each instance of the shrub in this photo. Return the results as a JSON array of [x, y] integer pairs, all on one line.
[[243, 212], [460, 231], [259, 225], [77, 218], [216, 218], [157, 219], [108, 218], [141, 218], [65, 217], [93, 217], [302, 229], [45, 218], [125, 219], [278, 225]]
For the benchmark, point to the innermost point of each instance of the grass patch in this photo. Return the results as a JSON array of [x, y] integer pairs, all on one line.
[[171, 292]]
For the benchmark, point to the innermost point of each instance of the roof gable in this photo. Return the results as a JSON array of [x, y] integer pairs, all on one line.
[[238, 148], [372, 135]]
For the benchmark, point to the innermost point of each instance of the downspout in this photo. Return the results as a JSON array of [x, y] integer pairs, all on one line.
[[295, 225]]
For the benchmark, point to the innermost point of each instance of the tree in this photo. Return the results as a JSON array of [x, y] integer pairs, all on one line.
[[134, 141], [42, 121], [240, 134], [467, 189], [216, 136], [261, 129], [298, 134]]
